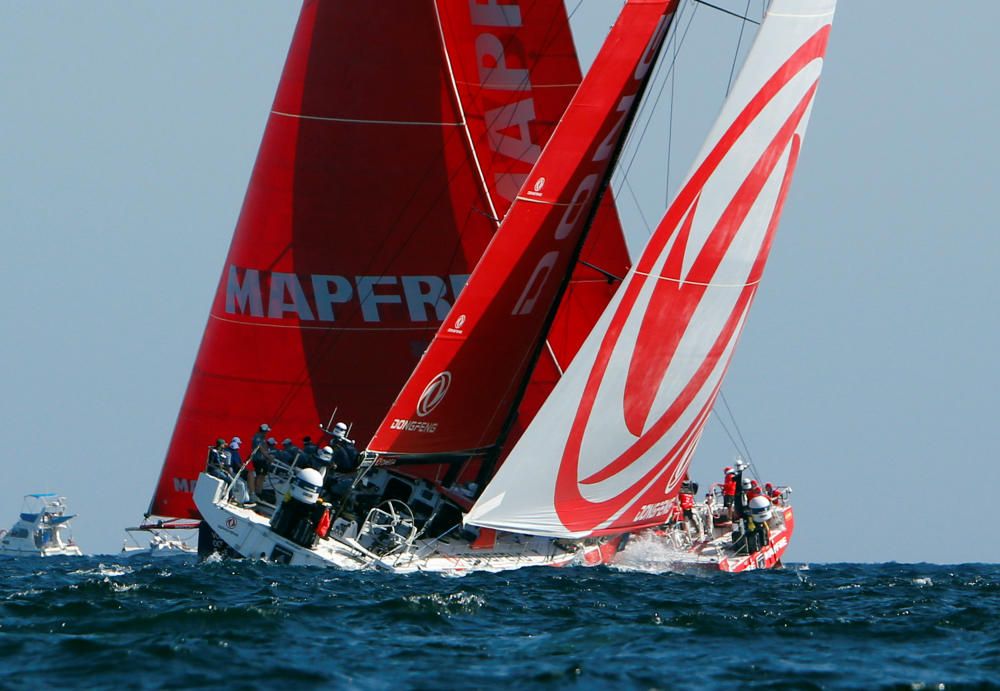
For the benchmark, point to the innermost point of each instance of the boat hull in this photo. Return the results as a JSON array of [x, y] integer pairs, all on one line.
[[677, 553], [249, 534]]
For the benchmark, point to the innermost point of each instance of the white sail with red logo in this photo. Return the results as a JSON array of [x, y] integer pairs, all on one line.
[[609, 447], [379, 183], [460, 397]]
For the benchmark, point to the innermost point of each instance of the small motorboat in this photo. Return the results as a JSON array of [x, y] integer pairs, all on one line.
[[41, 530]]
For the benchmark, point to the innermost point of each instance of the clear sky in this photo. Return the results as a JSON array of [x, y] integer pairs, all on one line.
[[866, 377]]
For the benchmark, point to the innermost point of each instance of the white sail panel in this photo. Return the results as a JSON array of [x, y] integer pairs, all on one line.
[[608, 449]]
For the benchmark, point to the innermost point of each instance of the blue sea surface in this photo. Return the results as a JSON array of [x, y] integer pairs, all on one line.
[[109, 622]]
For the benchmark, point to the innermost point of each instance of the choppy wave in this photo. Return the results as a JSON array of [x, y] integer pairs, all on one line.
[[103, 622]]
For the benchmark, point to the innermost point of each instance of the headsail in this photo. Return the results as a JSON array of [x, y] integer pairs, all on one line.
[[462, 392], [366, 211], [515, 70], [609, 447]]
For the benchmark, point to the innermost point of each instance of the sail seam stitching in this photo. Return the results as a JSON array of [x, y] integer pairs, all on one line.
[[325, 328], [542, 201], [418, 123], [697, 283], [787, 14]]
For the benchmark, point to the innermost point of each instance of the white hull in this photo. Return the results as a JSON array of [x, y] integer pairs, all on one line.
[[32, 551], [160, 548], [42, 530], [249, 534]]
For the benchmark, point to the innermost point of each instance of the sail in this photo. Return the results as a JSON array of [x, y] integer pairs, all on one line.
[[461, 394], [515, 70], [366, 210], [363, 217], [610, 446]]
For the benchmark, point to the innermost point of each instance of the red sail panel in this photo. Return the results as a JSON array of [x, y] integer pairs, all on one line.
[[516, 69], [364, 215], [588, 293], [463, 390]]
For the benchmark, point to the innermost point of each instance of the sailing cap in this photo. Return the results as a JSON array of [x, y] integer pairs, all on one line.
[[265, 427], [220, 441], [271, 441], [340, 430], [286, 442]]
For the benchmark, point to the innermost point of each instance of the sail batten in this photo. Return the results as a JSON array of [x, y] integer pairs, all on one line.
[[607, 451]]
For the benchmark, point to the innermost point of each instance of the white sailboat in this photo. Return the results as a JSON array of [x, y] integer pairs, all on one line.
[[605, 454]]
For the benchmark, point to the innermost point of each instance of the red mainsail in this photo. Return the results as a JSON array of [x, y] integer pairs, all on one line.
[[375, 192]]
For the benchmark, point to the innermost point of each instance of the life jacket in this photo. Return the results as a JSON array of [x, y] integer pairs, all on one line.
[[687, 501], [729, 488]]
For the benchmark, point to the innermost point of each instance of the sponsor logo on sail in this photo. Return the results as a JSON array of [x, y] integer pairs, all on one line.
[[404, 425], [456, 327], [433, 394], [510, 125], [536, 189], [330, 298]]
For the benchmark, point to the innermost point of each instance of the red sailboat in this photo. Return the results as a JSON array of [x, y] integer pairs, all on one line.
[[522, 407]]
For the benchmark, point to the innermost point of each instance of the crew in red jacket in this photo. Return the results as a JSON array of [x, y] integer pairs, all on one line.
[[729, 492]]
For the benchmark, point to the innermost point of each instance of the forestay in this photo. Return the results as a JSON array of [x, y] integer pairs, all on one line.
[[609, 447]]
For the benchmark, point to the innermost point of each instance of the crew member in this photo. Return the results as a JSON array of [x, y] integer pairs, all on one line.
[[309, 450], [218, 458], [247, 474], [345, 454], [290, 453], [261, 459], [729, 492], [758, 530], [687, 492], [260, 439]]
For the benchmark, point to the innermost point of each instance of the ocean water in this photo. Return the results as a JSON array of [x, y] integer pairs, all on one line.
[[108, 622]]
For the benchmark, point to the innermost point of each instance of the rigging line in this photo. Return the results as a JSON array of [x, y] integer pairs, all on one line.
[[670, 129], [739, 42], [638, 206], [658, 70], [736, 426], [627, 169], [743, 16], [610, 276], [722, 423]]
